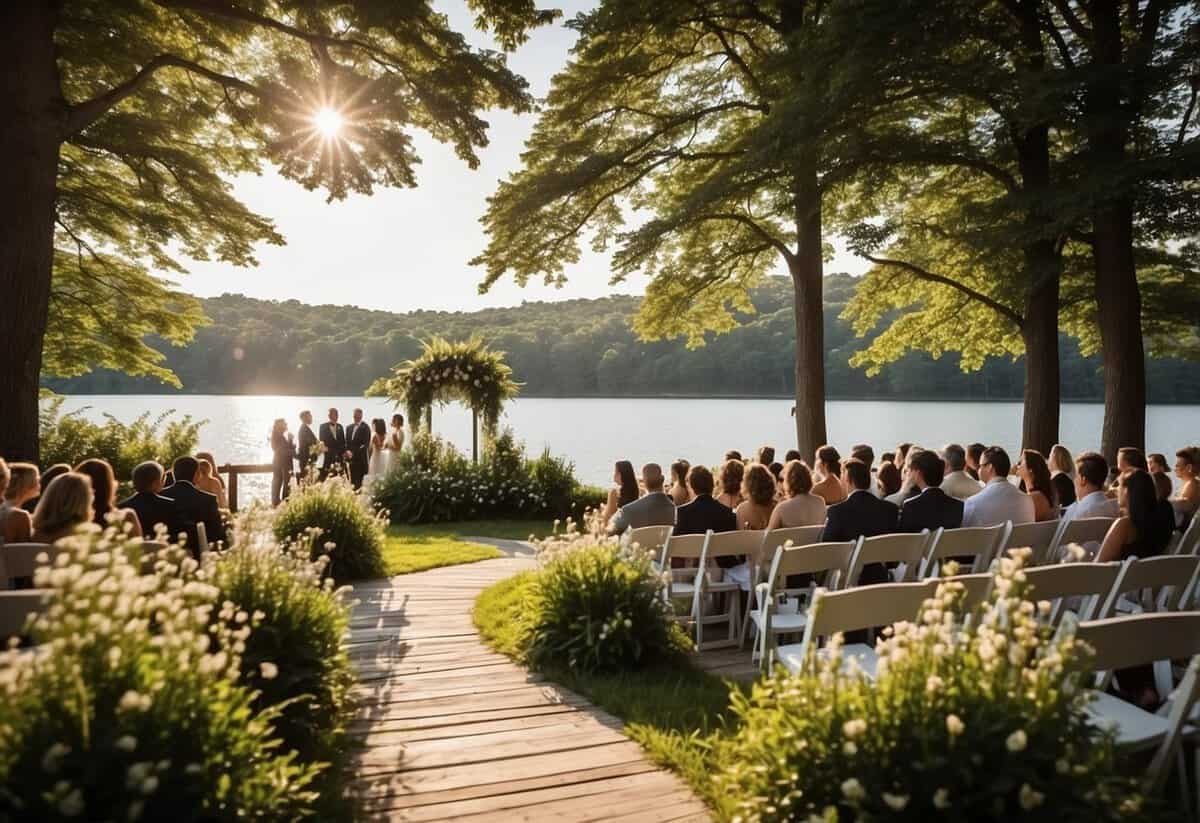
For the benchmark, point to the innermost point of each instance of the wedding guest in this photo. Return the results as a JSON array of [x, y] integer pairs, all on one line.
[[358, 447], [47, 477], [776, 470], [1187, 464], [931, 508], [333, 436], [1060, 460], [974, 455], [704, 513], [1130, 459], [888, 457], [860, 514], [1144, 528], [283, 451], [907, 487], [863, 452], [828, 467], [209, 480], [733, 454], [802, 507], [955, 481], [1091, 475], [65, 505], [998, 500], [194, 505], [1064, 488], [306, 443], [679, 490], [758, 489], [624, 490], [731, 483], [887, 480], [151, 508], [765, 455], [1035, 474], [902, 455], [396, 437], [1157, 463], [19, 483], [105, 510], [652, 509], [792, 454]]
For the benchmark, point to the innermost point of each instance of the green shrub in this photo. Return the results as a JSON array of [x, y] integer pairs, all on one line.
[[296, 655], [347, 529], [136, 711], [70, 438], [967, 719]]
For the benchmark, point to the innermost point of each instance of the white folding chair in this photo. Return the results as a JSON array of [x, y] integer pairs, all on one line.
[[1189, 541], [15, 608], [979, 542], [1088, 584], [774, 538], [833, 559], [1156, 583], [681, 583], [649, 537], [716, 581], [1039, 537], [1088, 532], [904, 549], [1134, 640], [861, 607], [977, 588], [20, 560]]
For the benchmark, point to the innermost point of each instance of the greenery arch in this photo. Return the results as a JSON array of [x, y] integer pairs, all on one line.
[[465, 370]]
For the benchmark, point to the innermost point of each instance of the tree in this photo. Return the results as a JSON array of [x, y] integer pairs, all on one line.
[[121, 122], [725, 127]]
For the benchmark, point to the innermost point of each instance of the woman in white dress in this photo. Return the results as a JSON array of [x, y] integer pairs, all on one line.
[[377, 465], [396, 438]]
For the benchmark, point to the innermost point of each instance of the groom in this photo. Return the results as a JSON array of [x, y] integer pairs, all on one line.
[[358, 445], [333, 437]]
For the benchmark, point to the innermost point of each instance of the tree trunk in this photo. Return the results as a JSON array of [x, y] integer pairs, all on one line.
[[31, 117], [1039, 428], [807, 269]]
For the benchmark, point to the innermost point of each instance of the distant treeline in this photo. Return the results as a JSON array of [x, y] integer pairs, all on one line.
[[580, 348]]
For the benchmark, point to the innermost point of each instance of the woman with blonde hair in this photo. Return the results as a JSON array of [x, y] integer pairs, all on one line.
[[19, 483], [104, 498], [1060, 460], [802, 507], [208, 479], [65, 505]]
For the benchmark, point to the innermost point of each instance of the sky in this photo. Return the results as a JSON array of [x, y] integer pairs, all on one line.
[[407, 249]]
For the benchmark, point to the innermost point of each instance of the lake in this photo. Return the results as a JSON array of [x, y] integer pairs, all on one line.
[[595, 432]]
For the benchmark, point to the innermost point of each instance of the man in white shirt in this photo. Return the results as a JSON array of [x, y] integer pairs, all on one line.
[[957, 483], [998, 500], [1091, 473]]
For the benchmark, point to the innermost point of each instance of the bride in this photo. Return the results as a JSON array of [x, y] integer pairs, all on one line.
[[378, 466]]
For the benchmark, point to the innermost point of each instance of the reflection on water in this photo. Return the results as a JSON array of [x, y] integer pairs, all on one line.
[[594, 432]]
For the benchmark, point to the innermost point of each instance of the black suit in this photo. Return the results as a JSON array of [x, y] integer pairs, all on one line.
[[152, 509], [862, 514], [333, 435], [284, 450], [306, 441], [931, 509], [196, 506], [358, 441], [702, 514]]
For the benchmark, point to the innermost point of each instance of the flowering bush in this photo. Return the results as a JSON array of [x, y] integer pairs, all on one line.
[[349, 530], [970, 717], [295, 656], [136, 711]]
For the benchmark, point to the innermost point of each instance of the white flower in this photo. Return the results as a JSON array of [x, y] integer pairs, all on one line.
[[895, 802], [941, 799], [126, 743], [1062, 766], [1016, 741], [132, 701], [849, 749], [954, 725], [149, 785], [54, 754], [852, 790], [72, 804], [268, 670], [933, 683], [1028, 798], [854, 728]]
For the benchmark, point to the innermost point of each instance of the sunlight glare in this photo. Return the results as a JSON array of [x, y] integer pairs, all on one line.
[[328, 121]]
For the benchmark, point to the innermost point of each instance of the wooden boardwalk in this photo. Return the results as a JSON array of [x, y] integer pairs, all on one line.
[[452, 730]]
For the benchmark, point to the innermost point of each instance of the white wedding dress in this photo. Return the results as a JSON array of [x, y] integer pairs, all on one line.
[[377, 466]]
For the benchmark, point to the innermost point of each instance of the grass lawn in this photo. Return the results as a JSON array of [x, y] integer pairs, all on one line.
[[417, 548], [672, 709]]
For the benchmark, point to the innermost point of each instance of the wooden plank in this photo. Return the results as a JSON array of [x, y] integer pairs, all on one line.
[[457, 751], [378, 734], [616, 805]]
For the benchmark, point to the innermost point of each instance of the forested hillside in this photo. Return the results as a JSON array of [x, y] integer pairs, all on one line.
[[578, 348]]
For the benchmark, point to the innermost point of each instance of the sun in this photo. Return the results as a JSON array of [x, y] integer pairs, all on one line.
[[328, 121]]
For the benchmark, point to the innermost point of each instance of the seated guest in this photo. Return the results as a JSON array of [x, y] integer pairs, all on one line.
[[1035, 476], [1187, 464], [776, 470], [733, 454], [1157, 463], [1064, 488], [887, 481], [888, 457], [1060, 460], [1163, 485], [731, 483], [1131, 459], [931, 508], [974, 455], [765, 455], [194, 506], [901, 459], [999, 500], [105, 511], [802, 507], [860, 514], [47, 477], [1144, 528], [208, 480], [151, 508], [653, 509], [790, 455], [1091, 473], [829, 485], [65, 505], [624, 489], [679, 490], [956, 482], [19, 483], [863, 452], [907, 487], [758, 487], [703, 513]]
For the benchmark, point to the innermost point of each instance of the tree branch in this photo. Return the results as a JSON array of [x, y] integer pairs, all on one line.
[[1072, 20], [775, 242], [925, 274]]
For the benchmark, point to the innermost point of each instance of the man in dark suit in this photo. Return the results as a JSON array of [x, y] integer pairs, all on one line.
[[306, 442], [195, 506], [358, 445], [333, 436], [704, 512], [861, 514], [151, 507], [931, 508]]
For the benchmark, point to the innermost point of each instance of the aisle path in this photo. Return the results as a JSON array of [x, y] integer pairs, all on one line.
[[453, 730]]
